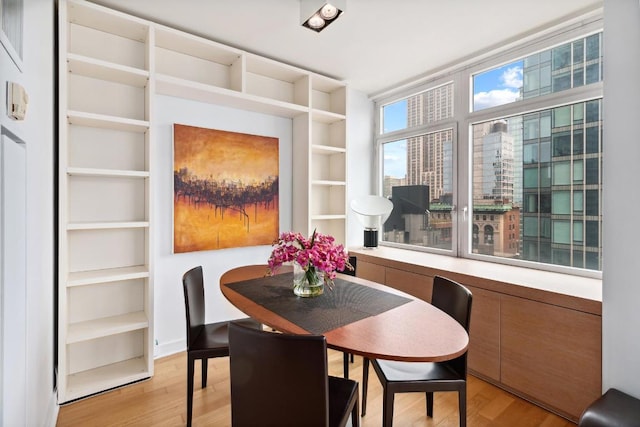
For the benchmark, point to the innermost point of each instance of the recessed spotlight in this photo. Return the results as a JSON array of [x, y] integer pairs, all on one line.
[[316, 22], [328, 11], [318, 14]]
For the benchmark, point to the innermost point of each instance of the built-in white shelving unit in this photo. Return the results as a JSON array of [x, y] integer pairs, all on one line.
[[111, 65], [105, 293]]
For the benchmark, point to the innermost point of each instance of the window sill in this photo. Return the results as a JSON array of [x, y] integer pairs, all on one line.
[[574, 292]]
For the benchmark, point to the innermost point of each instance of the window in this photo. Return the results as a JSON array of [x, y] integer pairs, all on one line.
[[418, 169], [507, 178], [11, 29], [563, 67], [531, 144], [418, 179]]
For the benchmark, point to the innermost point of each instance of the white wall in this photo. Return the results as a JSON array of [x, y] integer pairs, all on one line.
[[37, 131], [360, 167], [621, 201], [170, 329], [168, 267]]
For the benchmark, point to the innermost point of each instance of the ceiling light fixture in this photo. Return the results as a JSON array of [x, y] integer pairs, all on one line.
[[318, 14]]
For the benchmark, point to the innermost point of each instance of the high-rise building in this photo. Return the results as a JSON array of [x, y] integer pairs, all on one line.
[[430, 164], [495, 229], [430, 156]]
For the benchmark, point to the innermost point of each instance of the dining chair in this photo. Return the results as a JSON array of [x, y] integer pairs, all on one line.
[[403, 377], [280, 379], [248, 272], [259, 270], [204, 340]]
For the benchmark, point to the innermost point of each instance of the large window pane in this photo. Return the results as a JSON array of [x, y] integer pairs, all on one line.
[[418, 178], [510, 176], [560, 68], [426, 107]]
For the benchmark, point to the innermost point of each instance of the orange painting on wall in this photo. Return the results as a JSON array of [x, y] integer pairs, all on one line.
[[225, 189]]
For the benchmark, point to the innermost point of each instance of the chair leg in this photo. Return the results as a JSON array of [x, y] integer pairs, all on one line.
[[351, 357], [365, 384], [205, 366], [462, 405], [345, 363], [355, 419], [190, 373], [387, 408], [429, 403]]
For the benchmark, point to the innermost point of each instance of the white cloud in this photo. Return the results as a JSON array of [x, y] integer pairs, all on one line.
[[494, 97], [395, 163], [512, 78]]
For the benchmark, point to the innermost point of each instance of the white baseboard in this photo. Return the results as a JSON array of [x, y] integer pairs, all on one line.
[[167, 349]]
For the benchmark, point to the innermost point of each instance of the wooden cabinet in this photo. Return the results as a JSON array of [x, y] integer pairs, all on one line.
[[418, 285], [105, 289], [484, 334], [371, 271], [551, 353], [537, 344], [111, 66]]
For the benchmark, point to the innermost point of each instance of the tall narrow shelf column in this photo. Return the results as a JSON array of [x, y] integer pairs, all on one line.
[[320, 179], [105, 293]]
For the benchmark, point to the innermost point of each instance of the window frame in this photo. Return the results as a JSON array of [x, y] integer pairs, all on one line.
[[464, 118]]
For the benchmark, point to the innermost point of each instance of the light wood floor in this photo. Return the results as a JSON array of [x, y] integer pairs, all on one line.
[[161, 401]]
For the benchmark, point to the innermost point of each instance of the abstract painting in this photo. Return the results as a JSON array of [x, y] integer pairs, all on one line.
[[225, 189]]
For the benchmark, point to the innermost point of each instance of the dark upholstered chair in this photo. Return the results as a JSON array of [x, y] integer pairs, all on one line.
[[282, 380], [204, 341], [612, 409], [248, 272], [402, 377]]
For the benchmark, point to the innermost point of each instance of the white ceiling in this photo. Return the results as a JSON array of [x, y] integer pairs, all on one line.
[[375, 45]]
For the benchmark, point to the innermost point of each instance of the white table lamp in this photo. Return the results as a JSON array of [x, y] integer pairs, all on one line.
[[372, 212]]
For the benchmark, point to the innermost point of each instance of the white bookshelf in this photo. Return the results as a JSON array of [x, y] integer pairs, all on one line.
[[111, 66], [105, 292]]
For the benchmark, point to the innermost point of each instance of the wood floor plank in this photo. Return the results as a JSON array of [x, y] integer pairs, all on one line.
[[161, 402]]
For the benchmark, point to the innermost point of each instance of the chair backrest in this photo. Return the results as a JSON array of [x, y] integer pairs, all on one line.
[[455, 300], [193, 286], [277, 379], [247, 272]]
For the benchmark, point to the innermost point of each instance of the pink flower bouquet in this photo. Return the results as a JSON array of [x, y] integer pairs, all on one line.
[[319, 254]]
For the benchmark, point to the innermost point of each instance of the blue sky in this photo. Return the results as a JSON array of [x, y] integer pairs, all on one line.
[[497, 86]]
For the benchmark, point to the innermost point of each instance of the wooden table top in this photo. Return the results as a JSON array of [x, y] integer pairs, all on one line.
[[415, 331]]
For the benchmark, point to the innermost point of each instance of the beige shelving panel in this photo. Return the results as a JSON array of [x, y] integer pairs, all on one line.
[[111, 65], [105, 324]]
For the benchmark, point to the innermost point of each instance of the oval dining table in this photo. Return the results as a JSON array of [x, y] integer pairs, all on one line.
[[411, 331]]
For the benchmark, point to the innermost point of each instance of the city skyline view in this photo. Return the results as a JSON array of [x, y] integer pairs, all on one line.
[[536, 179], [494, 87]]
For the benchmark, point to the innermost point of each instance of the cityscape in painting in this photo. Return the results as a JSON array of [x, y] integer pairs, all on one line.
[[225, 189]]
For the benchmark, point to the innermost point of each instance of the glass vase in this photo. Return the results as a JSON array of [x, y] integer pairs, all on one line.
[[307, 283]]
